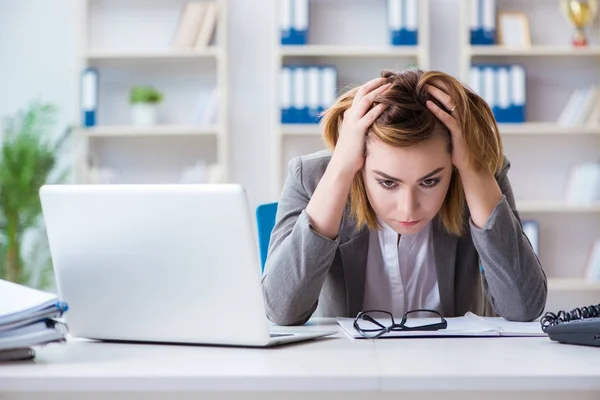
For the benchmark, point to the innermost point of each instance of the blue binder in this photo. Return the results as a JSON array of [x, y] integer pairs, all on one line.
[[89, 96], [294, 22], [483, 22], [286, 95], [502, 110], [299, 91], [409, 36], [286, 22], [518, 82], [403, 22], [314, 83], [328, 87]]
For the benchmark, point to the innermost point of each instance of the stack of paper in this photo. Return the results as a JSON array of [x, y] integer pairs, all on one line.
[[469, 325], [27, 319]]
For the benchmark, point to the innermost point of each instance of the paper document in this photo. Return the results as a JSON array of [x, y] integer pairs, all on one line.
[[35, 334], [469, 325], [18, 302]]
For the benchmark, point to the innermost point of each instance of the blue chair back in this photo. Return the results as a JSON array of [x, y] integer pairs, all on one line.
[[265, 221]]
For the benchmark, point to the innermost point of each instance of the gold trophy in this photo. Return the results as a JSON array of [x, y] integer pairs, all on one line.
[[581, 13]]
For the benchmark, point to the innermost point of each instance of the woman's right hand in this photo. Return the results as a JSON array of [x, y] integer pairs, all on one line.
[[349, 152]]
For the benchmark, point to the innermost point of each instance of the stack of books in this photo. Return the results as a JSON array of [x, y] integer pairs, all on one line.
[[582, 108], [196, 25], [28, 318]]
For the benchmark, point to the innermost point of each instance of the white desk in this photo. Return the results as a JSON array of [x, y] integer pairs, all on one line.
[[333, 368]]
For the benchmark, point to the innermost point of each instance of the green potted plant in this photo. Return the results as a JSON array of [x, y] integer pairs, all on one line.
[[28, 159], [144, 102]]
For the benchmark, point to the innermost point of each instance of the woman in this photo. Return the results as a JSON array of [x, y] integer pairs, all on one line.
[[410, 209]]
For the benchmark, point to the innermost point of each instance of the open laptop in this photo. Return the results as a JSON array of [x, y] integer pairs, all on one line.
[[159, 263]]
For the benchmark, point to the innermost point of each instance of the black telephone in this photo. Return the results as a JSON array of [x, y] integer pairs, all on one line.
[[579, 326]]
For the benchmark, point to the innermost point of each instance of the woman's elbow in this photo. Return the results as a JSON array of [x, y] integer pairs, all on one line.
[[285, 319], [530, 309], [280, 309], [283, 314]]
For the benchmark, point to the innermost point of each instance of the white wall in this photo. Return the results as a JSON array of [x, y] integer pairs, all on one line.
[[37, 45]]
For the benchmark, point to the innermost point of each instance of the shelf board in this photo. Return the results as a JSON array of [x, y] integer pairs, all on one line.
[[571, 284], [554, 207], [547, 128], [300, 129], [528, 128], [541, 50], [157, 130], [168, 54], [349, 51]]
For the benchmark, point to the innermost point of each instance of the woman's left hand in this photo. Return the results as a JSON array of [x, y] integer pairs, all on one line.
[[460, 151], [481, 189]]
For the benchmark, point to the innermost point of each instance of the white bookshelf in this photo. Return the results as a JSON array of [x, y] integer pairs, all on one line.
[[547, 128], [159, 130], [129, 43], [535, 51], [107, 55], [358, 54], [542, 151], [544, 207], [566, 284], [532, 128], [350, 51], [569, 293]]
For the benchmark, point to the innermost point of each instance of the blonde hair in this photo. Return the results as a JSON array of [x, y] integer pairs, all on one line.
[[407, 121]]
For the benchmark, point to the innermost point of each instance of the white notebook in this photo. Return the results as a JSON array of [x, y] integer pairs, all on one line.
[[469, 325], [21, 305]]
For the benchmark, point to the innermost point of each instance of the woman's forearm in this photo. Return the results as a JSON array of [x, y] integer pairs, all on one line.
[[327, 204]]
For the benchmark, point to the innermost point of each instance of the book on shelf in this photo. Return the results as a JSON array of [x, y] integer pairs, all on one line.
[[208, 26], [503, 87], [196, 25], [89, 97], [582, 108], [592, 270], [103, 175], [403, 22], [294, 22], [202, 173], [306, 91], [482, 22], [206, 111], [583, 184], [28, 318]]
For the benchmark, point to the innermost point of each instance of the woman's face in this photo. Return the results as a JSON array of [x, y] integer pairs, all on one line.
[[406, 186]]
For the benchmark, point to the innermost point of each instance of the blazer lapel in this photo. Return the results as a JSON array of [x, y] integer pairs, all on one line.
[[444, 248], [354, 250]]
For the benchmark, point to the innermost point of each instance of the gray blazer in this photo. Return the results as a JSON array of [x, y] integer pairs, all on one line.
[[307, 272]]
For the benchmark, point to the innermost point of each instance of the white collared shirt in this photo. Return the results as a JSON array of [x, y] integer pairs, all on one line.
[[401, 276]]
